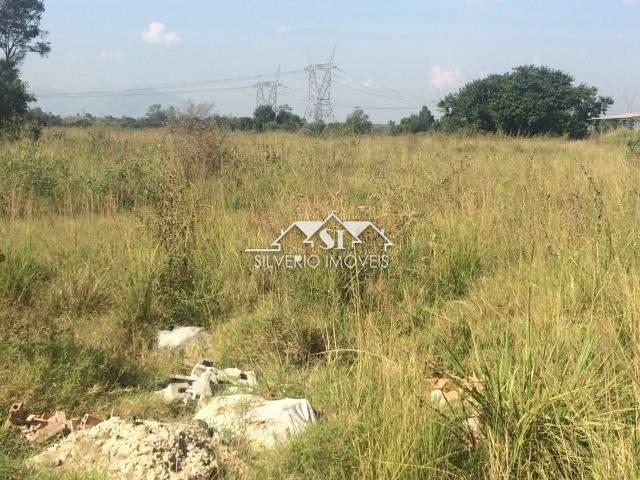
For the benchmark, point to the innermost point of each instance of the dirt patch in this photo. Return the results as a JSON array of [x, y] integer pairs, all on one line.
[[136, 450]]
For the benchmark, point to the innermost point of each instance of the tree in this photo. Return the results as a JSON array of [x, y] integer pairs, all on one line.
[[201, 111], [40, 117], [157, 116], [263, 115], [423, 121], [472, 106], [358, 122], [20, 31], [287, 119], [14, 98], [283, 114], [529, 100], [245, 123], [586, 104]]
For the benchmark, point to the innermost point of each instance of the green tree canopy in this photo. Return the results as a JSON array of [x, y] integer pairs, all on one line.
[[20, 31], [358, 122], [423, 121], [48, 119], [530, 100], [287, 119], [263, 115], [14, 98], [157, 116]]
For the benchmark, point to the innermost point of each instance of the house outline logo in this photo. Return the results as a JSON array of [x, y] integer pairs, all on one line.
[[315, 234]]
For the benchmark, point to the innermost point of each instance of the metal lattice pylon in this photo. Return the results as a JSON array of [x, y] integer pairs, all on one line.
[[319, 107], [267, 92]]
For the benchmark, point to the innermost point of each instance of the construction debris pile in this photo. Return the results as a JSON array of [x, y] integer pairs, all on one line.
[[141, 450], [234, 415], [136, 450], [205, 380], [39, 428]]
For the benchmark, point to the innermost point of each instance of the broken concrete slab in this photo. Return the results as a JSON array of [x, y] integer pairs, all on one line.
[[263, 423], [202, 366], [175, 392], [179, 337], [205, 384]]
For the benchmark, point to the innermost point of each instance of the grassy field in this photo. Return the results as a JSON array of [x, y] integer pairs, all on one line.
[[516, 260]]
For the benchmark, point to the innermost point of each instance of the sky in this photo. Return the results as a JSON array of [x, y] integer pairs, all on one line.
[[393, 55]]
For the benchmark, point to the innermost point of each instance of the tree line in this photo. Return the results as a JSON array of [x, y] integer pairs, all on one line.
[[265, 118]]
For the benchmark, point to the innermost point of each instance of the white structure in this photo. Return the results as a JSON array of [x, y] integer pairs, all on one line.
[[608, 122]]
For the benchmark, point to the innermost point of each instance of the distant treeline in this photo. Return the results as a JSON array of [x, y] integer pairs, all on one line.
[[527, 101], [264, 118]]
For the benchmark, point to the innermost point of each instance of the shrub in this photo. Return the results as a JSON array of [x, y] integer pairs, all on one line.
[[633, 146]]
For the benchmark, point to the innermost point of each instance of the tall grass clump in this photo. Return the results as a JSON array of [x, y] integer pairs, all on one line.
[[21, 274]]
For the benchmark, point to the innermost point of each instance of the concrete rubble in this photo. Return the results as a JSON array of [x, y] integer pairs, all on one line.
[[262, 423], [446, 395], [205, 380], [39, 428], [178, 337], [136, 450]]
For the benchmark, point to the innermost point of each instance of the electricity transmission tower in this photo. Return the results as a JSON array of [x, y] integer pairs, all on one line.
[[319, 106], [267, 92]]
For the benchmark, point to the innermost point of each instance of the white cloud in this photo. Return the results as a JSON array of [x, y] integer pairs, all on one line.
[[446, 77], [631, 2], [157, 33], [110, 56], [284, 29]]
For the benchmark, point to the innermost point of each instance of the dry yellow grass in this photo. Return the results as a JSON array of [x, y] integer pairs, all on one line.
[[515, 260]]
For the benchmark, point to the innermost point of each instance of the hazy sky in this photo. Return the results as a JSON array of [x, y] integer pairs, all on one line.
[[425, 48]]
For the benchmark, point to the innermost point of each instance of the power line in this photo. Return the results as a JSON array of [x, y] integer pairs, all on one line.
[[382, 87], [298, 95], [145, 93], [368, 88], [288, 91], [374, 93], [154, 88], [318, 95], [375, 107]]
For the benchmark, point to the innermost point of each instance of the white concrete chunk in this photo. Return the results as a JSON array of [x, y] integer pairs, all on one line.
[[262, 422]]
